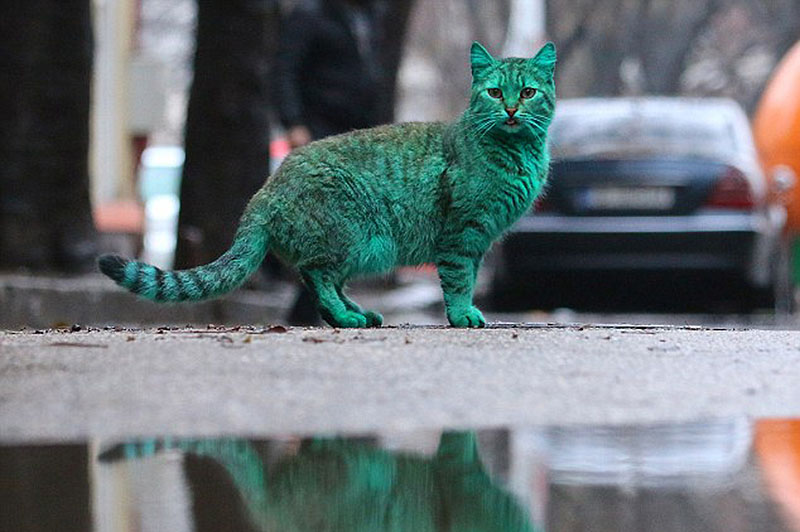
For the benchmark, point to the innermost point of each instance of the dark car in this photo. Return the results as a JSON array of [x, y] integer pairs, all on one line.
[[648, 198]]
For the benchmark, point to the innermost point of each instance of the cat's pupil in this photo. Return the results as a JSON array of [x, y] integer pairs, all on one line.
[[495, 93]]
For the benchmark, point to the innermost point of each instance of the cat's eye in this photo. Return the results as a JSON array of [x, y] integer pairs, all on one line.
[[495, 93], [528, 92]]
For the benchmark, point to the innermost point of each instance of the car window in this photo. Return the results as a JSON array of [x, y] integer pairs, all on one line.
[[673, 131]]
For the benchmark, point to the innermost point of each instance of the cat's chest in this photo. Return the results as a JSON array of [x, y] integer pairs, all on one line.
[[495, 187], [494, 182], [496, 200], [512, 197]]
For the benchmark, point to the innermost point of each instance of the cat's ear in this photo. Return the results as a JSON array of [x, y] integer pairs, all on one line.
[[545, 59], [479, 58]]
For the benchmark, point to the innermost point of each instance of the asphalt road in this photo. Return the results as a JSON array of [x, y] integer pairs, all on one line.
[[61, 385]]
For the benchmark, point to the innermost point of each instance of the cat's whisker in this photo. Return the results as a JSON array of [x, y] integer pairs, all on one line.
[[536, 126], [487, 128], [530, 121], [484, 134], [544, 122], [486, 122], [484, 126]]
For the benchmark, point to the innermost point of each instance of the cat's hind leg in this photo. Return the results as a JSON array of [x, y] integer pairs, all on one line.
[[329, 303], [374, 319]]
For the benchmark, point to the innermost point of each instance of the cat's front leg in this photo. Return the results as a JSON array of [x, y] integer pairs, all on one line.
[[457, 275]]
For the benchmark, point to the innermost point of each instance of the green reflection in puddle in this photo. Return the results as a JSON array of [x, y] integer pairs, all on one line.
[[350, 485]]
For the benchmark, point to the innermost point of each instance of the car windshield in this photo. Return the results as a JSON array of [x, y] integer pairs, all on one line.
[[616, 129]]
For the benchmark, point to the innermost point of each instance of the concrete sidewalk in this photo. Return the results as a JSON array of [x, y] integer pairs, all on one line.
[[62, 385]]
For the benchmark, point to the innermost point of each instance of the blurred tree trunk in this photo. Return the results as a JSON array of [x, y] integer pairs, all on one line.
[[489, 23], [666, 35], [607, 49], [569, 40], [46, 61], [788, 27], [227, 125], [655, 36]]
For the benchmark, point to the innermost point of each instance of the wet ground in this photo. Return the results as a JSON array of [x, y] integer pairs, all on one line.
[[727, 474], [558, 420], [73, 385], [517, 427]]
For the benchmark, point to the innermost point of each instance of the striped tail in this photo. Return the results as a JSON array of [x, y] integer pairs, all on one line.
[[203, 282], [239, 458]]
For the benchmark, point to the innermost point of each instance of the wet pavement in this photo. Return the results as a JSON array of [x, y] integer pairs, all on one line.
[[519, 427], [726, 474], [557, 421], [186, 382]]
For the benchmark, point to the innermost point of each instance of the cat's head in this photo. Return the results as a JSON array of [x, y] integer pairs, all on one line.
[[513, 95]]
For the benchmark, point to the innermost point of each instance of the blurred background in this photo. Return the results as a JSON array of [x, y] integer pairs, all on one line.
[[142, 127]]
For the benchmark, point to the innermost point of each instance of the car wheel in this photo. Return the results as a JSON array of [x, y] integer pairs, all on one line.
[[779, 296]]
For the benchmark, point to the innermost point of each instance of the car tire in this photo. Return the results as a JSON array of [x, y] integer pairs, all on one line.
[[779, 295]]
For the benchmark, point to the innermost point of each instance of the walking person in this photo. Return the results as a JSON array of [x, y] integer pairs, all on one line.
[[330, 79]]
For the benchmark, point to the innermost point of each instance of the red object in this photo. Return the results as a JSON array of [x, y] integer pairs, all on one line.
[[279, 148], [732, 191], [119, 217]]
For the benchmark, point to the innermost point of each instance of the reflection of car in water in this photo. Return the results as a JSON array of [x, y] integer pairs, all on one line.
[[685, 476], [663, 456], [666, 187]]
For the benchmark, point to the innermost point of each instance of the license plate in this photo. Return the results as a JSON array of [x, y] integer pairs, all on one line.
[[627, 198]]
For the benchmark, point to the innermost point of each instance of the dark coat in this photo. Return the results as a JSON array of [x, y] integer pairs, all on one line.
[[323, 79]]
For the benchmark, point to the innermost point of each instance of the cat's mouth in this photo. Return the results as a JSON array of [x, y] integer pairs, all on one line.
[[511, 122]]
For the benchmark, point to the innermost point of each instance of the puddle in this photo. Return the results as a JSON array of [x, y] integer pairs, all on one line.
[[721, 475]]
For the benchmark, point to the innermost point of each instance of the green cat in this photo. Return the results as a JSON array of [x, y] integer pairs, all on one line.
[[370, 200], [342, 485]]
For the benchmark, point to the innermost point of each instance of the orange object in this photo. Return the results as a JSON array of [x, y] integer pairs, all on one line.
[[119, 217], [777, 444], [777, 127]]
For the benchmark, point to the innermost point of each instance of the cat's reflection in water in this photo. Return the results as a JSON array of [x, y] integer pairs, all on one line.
[[350, 485]]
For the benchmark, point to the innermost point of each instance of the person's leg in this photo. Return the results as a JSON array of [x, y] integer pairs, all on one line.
[[303, 311]]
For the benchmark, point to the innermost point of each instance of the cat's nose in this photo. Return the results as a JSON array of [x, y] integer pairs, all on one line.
[[511, 111]]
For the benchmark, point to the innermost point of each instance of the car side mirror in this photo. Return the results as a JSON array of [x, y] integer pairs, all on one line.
[[782, 182]]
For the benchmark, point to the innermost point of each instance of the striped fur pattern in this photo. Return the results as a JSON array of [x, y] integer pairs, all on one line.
[[349, 485], [238, 457], [370, 200], [219, 277]]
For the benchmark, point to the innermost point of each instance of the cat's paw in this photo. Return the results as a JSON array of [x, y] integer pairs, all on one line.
[[470, 317], [373, 319], [348, 320]]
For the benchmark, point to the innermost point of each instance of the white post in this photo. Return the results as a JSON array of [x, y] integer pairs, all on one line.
[[527, 27], [141, 495], [110, 149]]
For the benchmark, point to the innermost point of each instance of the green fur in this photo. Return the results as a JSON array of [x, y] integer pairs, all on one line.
[[345, 485], [371, 200]]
